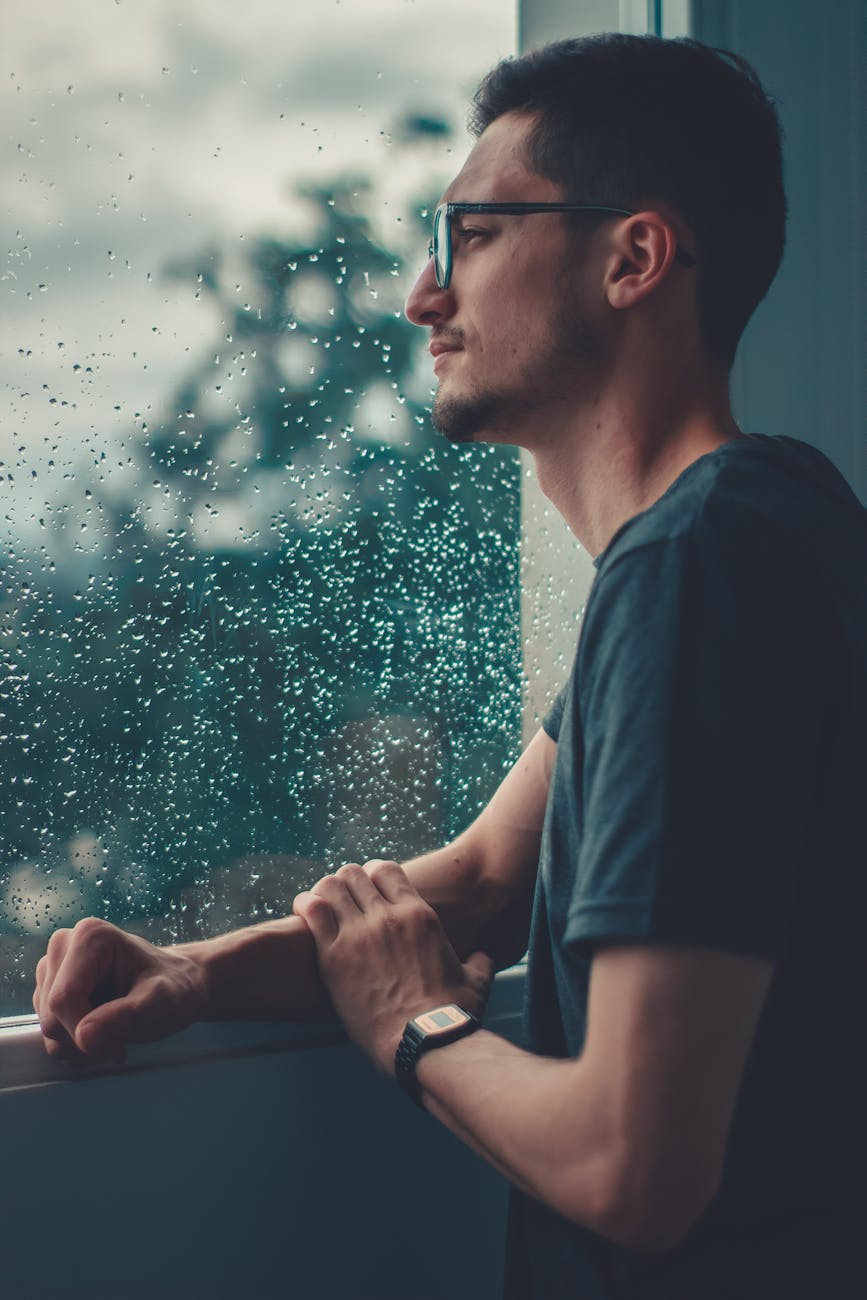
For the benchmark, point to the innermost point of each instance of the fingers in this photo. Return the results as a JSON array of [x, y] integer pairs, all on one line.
[[78, 961], [139, 1017], [360, 887], [390, 880], [66, 979], [318, 915], [57, 1043], [99, 988], [161, 993], [350, 892], [58, 1013], [104, 1032], [337, 901]]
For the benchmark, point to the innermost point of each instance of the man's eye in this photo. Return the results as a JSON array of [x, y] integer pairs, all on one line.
[[467, 233]]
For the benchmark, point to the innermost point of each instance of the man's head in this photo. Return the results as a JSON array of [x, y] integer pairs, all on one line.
[[635, 120], [634, 123]]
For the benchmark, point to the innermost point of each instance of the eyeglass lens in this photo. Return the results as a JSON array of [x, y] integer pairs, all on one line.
[[441, 246]]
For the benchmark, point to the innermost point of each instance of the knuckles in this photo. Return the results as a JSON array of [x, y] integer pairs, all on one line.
[[423, 918], [316, 903], [87, 929], [312, 907], [56, 943], [377, 868], [350, 871], [324, 886], [54, 1005], [414, 919], [91, 927]]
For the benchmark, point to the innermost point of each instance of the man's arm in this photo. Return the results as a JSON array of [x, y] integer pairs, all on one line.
[[98, 989], [481, 886], [629, 1138]]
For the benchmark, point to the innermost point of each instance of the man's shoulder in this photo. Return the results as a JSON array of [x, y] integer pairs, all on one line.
[[762, 493], [765, 533]]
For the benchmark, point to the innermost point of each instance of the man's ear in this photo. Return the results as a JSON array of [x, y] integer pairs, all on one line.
[[643, 249]]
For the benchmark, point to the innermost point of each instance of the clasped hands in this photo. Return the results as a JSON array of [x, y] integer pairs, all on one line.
[[382, 953], [384, 956]]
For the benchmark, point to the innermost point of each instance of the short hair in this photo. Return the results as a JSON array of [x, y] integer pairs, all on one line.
[[629, 120]]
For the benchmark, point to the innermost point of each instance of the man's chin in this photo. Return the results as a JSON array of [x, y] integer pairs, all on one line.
[[464, 419]]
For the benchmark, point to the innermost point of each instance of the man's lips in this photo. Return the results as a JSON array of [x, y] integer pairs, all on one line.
[[437, 346], [440, 350]]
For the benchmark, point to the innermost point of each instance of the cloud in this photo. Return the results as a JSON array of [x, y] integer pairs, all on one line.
[[143, 132]]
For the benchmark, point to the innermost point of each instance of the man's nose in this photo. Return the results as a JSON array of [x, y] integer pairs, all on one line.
[[427, 302]]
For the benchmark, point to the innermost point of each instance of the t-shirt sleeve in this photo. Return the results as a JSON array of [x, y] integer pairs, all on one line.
[[554, 716], [698, 710]]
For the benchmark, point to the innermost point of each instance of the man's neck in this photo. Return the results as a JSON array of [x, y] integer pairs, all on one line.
[[616, 460]]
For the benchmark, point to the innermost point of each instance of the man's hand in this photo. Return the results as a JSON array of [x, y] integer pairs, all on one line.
[[98, 989], [384, 956]]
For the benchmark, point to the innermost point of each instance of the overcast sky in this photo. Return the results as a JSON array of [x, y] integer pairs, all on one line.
[[134, 130]]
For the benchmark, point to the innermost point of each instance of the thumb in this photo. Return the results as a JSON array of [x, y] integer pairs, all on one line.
[[105, 1030], [479, 969]]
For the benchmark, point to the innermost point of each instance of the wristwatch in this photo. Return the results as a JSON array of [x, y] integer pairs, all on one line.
[[432, 1029]]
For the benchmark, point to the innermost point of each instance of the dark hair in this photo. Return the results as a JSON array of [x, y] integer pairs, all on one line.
[[629, 120]]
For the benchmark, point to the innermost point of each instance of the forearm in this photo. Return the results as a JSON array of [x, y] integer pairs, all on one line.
[[476, 912], [481, 885], [630, 1138], [263, 972], [542, 1123], [270, 972]]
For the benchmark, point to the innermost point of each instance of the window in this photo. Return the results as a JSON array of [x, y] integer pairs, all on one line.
[[255, 617]]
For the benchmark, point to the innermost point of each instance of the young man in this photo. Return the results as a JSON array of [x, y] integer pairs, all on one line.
[[687, 1119]]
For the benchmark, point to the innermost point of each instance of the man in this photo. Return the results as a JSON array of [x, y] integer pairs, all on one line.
[[688, 826]]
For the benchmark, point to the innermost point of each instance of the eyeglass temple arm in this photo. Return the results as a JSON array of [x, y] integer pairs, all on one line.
[[682, 256]]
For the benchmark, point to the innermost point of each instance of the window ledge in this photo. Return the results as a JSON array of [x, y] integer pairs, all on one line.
[[24, 1063]]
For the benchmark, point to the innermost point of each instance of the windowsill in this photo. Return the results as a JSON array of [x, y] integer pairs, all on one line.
[[24, 1063]]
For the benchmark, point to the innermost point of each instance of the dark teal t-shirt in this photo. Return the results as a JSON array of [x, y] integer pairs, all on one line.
[[710, 789]]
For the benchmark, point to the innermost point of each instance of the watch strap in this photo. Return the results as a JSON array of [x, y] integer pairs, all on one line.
[[416, 1041]]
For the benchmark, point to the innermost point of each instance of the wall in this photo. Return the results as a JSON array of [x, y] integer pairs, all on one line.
[[239, 1162], [800, 369]]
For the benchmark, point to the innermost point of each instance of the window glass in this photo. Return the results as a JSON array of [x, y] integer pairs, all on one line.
[[255, 617]]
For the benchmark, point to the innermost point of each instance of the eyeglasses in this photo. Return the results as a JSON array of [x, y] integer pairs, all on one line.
[[440, 247]]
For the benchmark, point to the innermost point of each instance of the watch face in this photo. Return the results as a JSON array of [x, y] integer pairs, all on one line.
[[433, 1022]]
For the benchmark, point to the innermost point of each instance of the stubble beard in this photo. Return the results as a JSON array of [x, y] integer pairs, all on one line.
[[504, 416], [460, 419]]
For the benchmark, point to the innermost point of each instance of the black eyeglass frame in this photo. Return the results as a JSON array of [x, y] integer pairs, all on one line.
[[443, 213]]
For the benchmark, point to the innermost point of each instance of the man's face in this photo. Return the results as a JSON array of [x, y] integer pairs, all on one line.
[[517, 335]]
